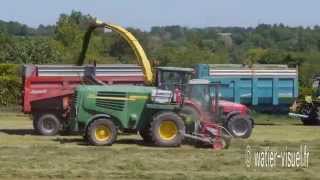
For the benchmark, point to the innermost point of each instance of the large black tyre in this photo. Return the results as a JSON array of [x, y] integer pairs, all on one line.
[[192, 116], [240, 126], [167, 129], [314, 116], [310, 121], [101, 132], [47, 124], [34, 123]]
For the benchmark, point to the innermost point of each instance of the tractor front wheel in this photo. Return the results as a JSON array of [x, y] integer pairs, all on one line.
[[101, 132], [167, 129]]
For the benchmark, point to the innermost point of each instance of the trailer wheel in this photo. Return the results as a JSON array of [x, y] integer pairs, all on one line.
[[47, 125], [101, 132], [166, 129], [239, 126]]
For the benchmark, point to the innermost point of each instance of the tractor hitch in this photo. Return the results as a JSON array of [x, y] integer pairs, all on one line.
[[296, 115]]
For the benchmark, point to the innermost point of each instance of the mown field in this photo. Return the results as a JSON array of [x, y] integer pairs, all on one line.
[[24, 155]]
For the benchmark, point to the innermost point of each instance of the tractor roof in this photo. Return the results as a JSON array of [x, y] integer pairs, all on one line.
[[199, 81], [176, 69], [116, 88]]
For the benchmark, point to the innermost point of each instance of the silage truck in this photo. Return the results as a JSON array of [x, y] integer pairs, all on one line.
[[48, 90]]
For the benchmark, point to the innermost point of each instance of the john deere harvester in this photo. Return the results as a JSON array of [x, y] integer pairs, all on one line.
[[99, 112]]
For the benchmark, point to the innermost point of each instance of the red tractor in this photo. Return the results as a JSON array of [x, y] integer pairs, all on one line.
[[235, 118]]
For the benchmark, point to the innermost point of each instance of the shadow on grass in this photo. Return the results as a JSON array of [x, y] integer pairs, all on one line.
[[134, 141], [23, 132], [80, 141], [277, 124], [19, 132]]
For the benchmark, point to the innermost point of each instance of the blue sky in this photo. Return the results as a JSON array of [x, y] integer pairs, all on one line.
[[147, 13]]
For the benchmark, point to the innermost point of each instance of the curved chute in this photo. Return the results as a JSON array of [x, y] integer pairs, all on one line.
[[133, 42]]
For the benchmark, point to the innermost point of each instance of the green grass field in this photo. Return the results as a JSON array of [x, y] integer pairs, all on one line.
[[24, 155]]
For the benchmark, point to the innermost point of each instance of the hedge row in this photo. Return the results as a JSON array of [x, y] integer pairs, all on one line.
[[10, 84]]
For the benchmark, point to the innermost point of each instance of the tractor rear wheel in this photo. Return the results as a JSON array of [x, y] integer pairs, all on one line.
[[240, 126], [47, 124], [101, 132], [167, 129]]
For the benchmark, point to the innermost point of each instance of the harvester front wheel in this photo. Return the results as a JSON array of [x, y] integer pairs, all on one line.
[[166, 129], [101, 132]]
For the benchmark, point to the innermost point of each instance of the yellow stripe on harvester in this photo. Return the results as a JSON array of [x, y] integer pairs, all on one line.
[[130, 98]]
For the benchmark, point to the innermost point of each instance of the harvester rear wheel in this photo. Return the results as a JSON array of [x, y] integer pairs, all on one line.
[[166, 129], [101, 132]]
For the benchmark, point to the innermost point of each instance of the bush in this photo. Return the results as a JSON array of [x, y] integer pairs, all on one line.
[[10, 84], [306, 91]]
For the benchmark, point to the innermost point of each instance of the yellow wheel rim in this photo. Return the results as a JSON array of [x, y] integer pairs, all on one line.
[[102, 133], [168, 130]]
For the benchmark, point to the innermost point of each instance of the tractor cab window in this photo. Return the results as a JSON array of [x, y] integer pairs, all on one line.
[[169, 80], [199, 93]]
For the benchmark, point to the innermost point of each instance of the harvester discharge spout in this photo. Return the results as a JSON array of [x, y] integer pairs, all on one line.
[[140, 54]]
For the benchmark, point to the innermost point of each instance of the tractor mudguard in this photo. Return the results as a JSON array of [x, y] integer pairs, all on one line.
[[99, 116], [229, 115], [106, 116]]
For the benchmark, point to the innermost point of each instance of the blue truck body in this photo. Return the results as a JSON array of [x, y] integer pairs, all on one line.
[[263, 87]]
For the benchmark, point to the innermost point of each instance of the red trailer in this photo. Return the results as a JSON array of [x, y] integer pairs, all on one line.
[[48, 90]]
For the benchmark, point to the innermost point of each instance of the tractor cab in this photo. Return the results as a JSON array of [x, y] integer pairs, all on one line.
[[205, 97], [202, 111], [202, 102]]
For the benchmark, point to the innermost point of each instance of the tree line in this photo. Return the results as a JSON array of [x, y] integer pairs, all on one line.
[[165, 45]]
